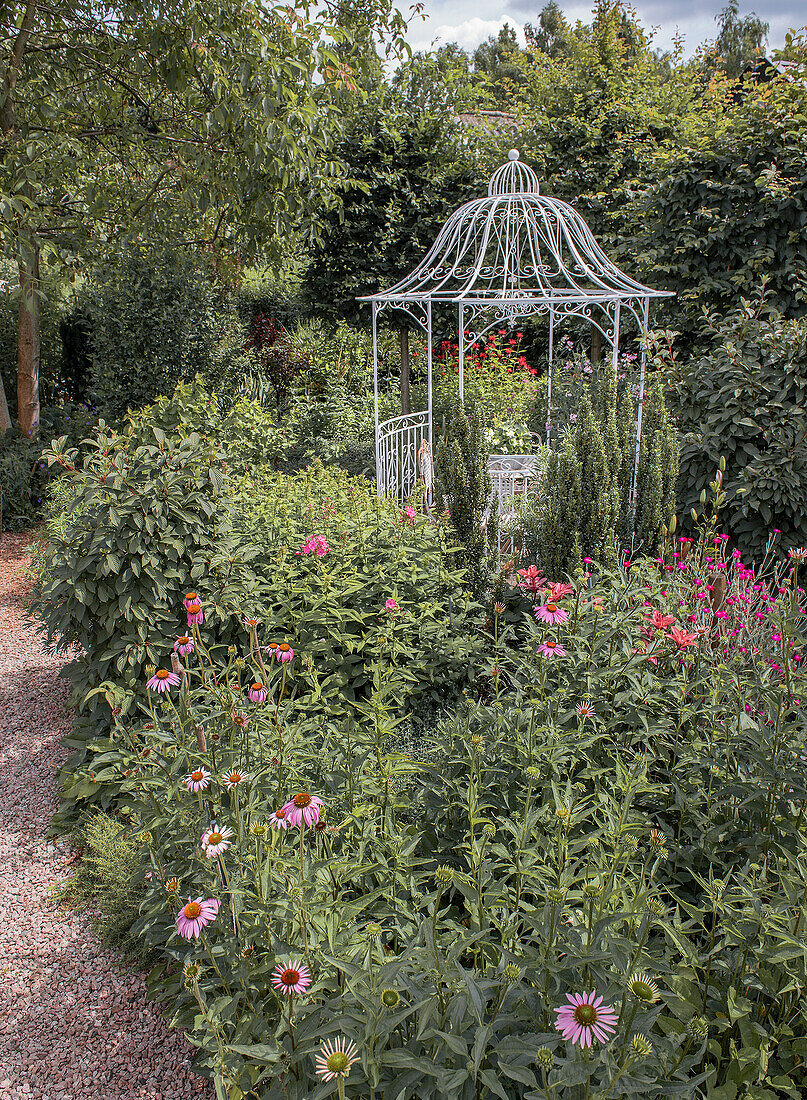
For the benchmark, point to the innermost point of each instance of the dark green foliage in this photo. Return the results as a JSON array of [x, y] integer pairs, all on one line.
[[159, 318], [745, 397], [464, 485], [141, 518], [719, 221], [583, 508], [407, 174]]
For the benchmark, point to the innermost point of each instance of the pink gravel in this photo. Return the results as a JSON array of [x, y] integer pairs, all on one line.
[[73, 1022]]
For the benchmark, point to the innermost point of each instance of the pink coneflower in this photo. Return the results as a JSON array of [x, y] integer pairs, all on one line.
[[335, 1058], [257, 692], [304, 807], [584, 1017], [284, 653], [585, 710], [216, 841], [193, 917], [190, 597], [532, 579], [252, 624], [184, 645], [239, 719], [279, 819], [557, 590], [661, 621], [162, 680], [391, 605], [195, 614], [682, 638], [291, 977], [551, 613], [234, 779], [198, 780], [271, 649], [551, 649], [798, 554]]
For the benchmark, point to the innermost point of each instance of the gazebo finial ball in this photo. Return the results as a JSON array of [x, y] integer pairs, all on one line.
[[513, 154]]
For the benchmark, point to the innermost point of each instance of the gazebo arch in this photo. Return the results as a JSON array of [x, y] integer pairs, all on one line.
[[511, 254]]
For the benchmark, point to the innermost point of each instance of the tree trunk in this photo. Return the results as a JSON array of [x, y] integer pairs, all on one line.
[[28, 343], [5, 419], [406, 406], [596, 345]]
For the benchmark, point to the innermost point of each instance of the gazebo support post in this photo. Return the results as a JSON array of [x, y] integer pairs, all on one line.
[[639, 414], [549, 376], [462, 352], [615, 343], [429, 373], [379, 473]]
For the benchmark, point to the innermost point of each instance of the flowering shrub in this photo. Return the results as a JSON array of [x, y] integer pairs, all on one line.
[[589, 876]]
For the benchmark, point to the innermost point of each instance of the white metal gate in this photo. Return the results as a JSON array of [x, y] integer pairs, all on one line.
[[398, 444]]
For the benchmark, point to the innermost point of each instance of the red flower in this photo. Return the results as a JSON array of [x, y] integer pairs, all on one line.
[[661, 621], [682, 638]]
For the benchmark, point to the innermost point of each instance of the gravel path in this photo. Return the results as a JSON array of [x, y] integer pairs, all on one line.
[[72, 1023]]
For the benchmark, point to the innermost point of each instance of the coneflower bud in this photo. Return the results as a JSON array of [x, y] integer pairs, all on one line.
[[390, 998], [445, 875], [544, 1057], [642, 1045]]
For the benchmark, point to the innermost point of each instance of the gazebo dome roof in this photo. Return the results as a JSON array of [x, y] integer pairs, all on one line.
[[515, 244]]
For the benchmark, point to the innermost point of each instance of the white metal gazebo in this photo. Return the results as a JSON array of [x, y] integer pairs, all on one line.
[[498, 259]]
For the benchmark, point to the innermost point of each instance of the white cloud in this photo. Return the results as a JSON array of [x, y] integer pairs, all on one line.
[[467, 34]]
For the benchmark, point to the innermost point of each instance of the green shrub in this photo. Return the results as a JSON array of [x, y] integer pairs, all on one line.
[[159, 318], [626, 817], [331, 605], [744, 398], [108, 878]]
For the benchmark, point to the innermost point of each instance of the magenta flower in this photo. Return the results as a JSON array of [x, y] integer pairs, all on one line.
[[391, 605], [257, 692], [551, 649], [551, 613], [216, 841], [408, 515], [315, 544], [198, 780], [190, 597], [291, 977], [585, 1016], [195, 614], [184, 645], [193, 917], [283, 653], [162, 680], [304, 807]]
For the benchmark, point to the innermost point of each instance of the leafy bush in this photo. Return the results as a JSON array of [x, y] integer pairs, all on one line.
[[158, 319], [624, 815], [744, 398], [108, 877], [582, 506], [329, 598]]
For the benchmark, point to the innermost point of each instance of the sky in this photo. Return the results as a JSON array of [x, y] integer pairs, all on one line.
[[470, 22]]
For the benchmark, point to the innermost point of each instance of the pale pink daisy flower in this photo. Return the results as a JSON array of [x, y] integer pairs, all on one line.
[[584, 1017], [184, 645], [252, 624], [551, 649], [551, 613], [162, 680], [291, 977], [198, 780], [279, 819], [585, 710], [193, 917], [234, 778], [195, 614], [216, 841], [284, 653], [257, 692], [335, 1058], [304, 807]]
